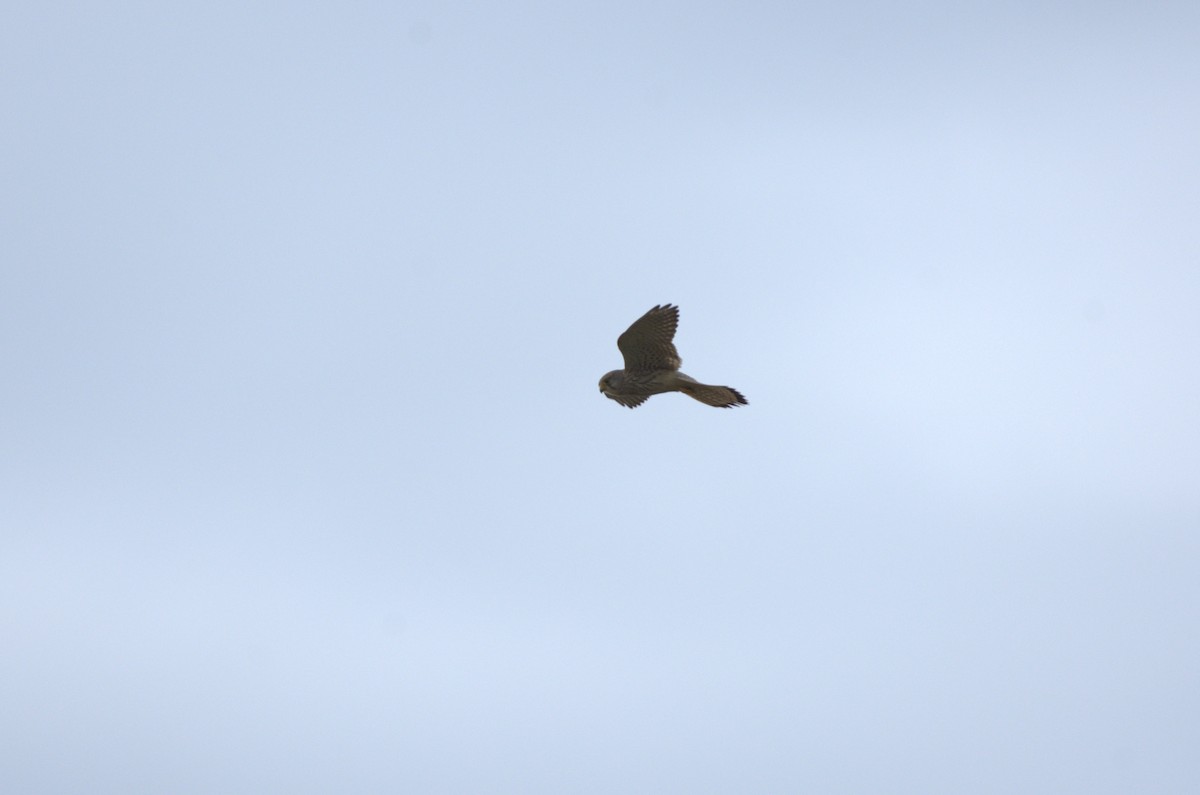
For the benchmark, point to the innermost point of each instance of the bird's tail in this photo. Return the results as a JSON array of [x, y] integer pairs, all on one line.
[[725, 397]]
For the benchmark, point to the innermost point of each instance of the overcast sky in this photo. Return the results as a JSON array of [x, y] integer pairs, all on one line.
[[306, 484]]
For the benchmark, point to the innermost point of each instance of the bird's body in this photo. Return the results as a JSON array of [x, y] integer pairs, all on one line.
[[652, 365]]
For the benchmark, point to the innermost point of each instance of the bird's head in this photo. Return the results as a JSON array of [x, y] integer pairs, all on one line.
[[606, 383]]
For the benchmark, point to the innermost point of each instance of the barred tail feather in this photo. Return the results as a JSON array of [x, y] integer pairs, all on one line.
[[721, 396]]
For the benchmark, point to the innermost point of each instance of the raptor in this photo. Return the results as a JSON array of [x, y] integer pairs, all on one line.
[[652, 365]]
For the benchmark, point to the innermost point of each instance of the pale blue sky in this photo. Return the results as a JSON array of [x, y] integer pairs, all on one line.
[[308, 487]]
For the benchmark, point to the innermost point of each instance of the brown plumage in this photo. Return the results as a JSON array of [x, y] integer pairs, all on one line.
[[652, 365]]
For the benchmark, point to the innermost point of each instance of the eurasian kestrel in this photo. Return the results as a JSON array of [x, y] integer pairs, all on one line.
[[652, 365]]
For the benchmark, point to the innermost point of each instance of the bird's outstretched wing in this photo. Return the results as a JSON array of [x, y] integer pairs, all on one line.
[[629, 401], [647, 344]]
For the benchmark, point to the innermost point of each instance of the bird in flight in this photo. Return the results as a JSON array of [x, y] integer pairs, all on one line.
[[652, 365]]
